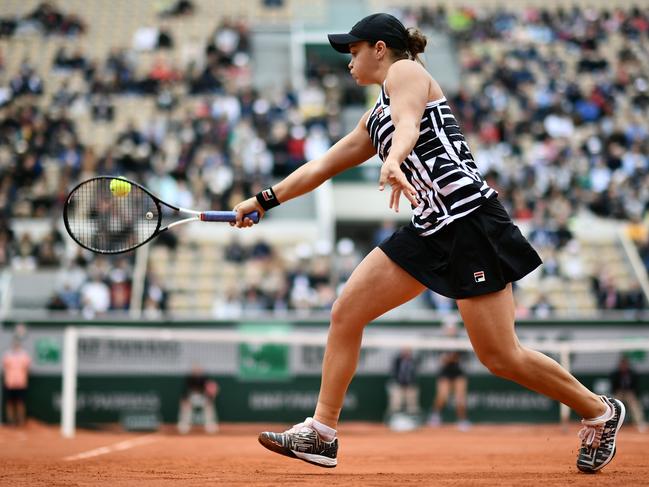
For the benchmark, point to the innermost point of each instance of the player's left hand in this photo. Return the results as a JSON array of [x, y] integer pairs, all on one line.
[[392, 174]]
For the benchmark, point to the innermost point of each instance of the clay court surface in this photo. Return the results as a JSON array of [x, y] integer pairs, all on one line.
[[370, 455]]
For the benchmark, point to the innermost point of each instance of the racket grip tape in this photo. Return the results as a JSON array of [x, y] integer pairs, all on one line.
[[226, 216]]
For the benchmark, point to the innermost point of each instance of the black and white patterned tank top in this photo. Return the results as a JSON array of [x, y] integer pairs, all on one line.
[[440, 167]]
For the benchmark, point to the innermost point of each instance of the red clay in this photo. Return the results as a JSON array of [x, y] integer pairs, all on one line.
[[370, 455]]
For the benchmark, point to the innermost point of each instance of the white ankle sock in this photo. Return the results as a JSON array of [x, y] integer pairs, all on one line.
[[324, 431], [608, 414]]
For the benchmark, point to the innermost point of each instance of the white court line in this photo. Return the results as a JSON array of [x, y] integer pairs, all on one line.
[[122, 445]]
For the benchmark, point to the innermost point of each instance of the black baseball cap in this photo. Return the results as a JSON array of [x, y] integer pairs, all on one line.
[[375, 27]]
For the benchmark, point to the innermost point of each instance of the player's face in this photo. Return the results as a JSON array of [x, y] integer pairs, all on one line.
[[363, 62]]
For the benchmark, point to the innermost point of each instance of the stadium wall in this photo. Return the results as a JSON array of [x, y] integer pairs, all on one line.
[[119, 378]]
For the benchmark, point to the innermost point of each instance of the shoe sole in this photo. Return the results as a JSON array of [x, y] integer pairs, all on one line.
[[608, 460], [282, 450]]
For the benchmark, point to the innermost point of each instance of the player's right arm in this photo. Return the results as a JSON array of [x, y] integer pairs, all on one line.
[[352, 150]]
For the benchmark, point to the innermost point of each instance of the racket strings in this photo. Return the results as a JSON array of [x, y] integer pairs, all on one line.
[[105, 222]]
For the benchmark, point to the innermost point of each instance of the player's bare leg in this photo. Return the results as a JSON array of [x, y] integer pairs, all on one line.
[[375, 287], [489, 320]]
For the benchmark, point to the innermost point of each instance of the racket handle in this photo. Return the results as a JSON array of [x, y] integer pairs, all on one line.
[[226, 216]]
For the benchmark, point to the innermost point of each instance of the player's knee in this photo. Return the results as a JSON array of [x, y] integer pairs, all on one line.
[[337, 312], [502, 363], [496, 365], [342, 318]]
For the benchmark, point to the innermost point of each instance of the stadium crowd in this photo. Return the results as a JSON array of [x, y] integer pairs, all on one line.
[[45, 19], [554, 104]]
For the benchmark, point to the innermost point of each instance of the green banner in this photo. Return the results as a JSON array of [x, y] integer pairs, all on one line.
[[102, 399], [267, 361]]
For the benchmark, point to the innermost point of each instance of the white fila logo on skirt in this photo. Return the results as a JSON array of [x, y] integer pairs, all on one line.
[[479, 276]]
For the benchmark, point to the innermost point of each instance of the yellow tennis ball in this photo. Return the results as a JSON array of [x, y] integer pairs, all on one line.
[[119, 187]]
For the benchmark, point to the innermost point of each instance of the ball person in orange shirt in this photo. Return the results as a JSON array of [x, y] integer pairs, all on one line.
[[15, 364]]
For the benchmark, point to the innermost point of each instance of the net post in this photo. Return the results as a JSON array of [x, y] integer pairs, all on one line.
[[564, 358], [139, 276], [69, 393]]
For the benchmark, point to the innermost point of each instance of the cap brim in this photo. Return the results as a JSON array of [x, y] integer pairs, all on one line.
[[341, 42]]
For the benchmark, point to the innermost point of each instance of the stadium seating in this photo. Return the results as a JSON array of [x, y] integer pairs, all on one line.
[[504, 143]]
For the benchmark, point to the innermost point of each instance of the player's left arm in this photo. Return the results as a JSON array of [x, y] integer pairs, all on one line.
[[408, 85]]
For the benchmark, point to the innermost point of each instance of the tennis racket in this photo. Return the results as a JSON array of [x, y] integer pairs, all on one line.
[[110, 215]]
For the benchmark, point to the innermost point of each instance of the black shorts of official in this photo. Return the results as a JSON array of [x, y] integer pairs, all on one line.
[[450, 371], [15, 394], [476, 254]]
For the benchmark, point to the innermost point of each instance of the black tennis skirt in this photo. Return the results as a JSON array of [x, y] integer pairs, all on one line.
[[476, 254]]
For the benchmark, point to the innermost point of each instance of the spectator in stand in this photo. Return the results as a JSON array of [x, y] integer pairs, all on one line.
[[64, 96], [235, 251], [46, 18], [65, 299], [229, 306], [541, 235], [119, 283], [542, 307], [27, 82], [608, 295], [254, 299], [633, 299], [65, 61], [102, 108], [48, 252], [7, 26], [551, 139], [261, 250], [176, 8], [165, 39], [25, 258], [166, 99], [146, 38], [162, 70], [155, 295], [638, 230], [387, 228], [95, 295]]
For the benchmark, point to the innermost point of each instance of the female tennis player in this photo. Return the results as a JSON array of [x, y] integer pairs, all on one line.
[[460, 243]]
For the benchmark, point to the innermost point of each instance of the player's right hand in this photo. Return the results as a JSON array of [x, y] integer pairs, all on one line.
[[392, 174], [243, 208]]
